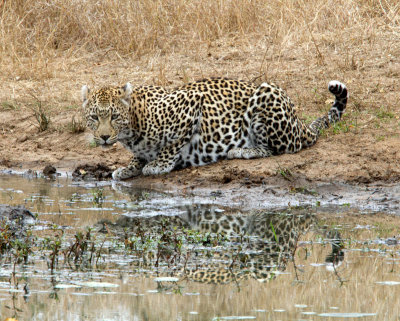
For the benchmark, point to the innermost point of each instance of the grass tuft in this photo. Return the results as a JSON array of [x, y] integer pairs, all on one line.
[[8, 105], [76, 126], [383, 113], [41, 115]]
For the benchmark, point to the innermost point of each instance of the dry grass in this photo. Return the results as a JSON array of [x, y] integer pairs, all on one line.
[[53, 47], [35, 34]]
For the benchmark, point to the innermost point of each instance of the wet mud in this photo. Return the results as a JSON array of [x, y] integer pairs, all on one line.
[[92, 172], [278, 192], [245, 191]]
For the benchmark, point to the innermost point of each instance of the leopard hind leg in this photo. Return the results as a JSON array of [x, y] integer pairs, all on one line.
[[270, 125]]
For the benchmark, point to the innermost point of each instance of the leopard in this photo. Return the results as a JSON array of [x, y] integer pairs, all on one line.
[[201, 122], [235, 246]]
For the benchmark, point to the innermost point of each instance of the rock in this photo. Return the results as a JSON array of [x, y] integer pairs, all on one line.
[[391, 241], [49, 170], [92, 172], [15, 213], [22, 138], [16, 218]]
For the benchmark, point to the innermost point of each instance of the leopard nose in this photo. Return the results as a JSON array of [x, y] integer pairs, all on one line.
[[105, 137]]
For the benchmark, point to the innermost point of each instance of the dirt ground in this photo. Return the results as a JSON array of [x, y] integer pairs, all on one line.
[[350, 157], [365, 148]]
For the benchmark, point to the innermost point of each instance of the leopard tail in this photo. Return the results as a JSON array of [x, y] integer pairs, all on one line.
[[312, 132]]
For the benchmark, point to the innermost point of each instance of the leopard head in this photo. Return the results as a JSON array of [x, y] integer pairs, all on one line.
[[107, 113]]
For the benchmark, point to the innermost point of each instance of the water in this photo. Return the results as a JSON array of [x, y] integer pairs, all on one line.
[[125, 284]]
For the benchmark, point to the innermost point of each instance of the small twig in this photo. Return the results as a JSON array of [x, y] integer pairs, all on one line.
[[99, 251]]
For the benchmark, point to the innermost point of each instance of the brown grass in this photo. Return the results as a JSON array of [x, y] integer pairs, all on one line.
[[52, 47], [35, 34]]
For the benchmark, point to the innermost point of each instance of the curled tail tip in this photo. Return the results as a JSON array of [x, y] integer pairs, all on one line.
[[333, 83], [338, 89]]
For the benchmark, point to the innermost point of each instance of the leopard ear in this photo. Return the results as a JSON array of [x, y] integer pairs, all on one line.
[[127, 92], [85, 92], [128, 89]]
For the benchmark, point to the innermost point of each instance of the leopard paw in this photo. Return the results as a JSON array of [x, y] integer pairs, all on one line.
[[235, 153], [154, 168], [124, 173]]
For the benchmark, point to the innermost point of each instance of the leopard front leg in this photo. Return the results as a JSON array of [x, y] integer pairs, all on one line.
[[166, 159], [249, 153], [133, 169]]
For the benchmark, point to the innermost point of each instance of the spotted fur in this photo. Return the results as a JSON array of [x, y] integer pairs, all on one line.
[[201, 122]]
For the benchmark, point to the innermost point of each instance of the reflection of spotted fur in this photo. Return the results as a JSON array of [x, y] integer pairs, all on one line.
[[259, 244], [201, 122], [271, 240]]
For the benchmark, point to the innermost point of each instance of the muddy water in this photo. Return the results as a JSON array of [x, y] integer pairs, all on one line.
[[295, 282]]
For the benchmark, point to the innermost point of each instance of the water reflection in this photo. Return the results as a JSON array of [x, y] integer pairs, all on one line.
[[256, 245], [154, 245]]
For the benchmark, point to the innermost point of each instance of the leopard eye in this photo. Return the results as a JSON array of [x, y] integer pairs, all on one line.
[[114, 116], [94, 117]]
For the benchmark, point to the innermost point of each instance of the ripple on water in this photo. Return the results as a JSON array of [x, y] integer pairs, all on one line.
[[234, 317], [388, 283], [346, 315]]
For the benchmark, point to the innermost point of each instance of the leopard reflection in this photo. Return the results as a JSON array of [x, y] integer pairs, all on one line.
[[257, 245]]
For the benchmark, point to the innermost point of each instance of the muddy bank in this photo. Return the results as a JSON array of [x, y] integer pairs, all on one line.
[[246, 192], [278, 193], [349, 167]]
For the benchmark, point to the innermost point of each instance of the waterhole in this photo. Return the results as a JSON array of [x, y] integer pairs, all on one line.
[[104, 251]]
